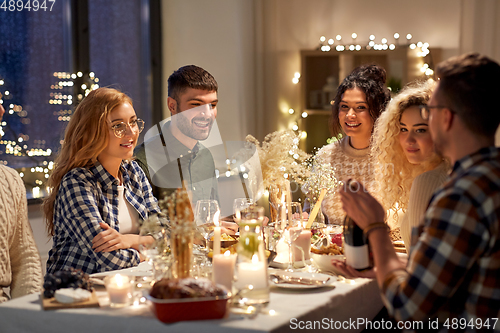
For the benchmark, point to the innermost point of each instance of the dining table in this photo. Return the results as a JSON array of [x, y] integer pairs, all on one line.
[[342, 303]]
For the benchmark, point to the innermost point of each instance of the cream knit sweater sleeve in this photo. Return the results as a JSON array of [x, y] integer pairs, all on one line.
[[421, 191], [20, 265]]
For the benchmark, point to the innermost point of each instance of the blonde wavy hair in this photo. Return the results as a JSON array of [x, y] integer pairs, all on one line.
[[86, 136], [394, 173]]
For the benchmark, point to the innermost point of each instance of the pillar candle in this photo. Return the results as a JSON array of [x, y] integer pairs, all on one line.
[[252, 273], [303, 242], [223, 269]]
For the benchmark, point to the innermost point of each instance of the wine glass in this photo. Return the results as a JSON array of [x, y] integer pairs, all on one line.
[[157, 246], [293, 228], [239, 206], [204, 214]]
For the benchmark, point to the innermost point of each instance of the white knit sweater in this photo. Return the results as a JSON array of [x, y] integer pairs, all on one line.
[[20, 265], [422, 189], [347, 162]]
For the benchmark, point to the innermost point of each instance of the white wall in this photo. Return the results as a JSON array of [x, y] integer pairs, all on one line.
[[252, 47], [217, 35]]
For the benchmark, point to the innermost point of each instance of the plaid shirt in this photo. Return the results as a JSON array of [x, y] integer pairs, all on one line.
[[86, 197], [454, 268]]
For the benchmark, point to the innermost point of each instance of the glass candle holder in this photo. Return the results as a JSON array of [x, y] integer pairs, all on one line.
[[251, 281], [120, 290]]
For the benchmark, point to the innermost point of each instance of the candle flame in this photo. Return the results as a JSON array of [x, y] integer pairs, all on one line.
[[227, 253], [119, 280], [216, 218], [255, 259]]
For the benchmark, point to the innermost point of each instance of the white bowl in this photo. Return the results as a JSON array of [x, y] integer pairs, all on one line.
[[324, 262]]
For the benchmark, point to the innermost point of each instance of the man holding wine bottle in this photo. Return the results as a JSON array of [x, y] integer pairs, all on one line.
[[452, 273]]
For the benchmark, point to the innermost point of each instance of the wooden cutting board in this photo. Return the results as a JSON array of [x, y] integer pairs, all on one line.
[[52, 304]]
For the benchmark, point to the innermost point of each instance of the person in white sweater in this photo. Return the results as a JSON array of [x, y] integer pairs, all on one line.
[[408, 168], [360, 99], [20, 265]]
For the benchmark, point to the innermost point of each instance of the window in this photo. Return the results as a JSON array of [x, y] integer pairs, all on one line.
[[50, 59]]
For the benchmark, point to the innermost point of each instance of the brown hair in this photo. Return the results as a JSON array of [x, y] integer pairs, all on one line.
[[371, 80], [190, 76], [469, 85]]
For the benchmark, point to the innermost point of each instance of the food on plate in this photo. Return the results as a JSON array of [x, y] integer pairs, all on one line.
[[399, 246], [70, 295], [186, 288], [68, 278], [331, 249], [395, 234], [233, 249], [224, 238]]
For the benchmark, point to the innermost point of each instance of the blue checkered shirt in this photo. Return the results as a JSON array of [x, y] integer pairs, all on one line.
[[86, 197]]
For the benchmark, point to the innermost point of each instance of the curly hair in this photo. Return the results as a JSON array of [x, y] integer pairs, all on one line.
[[371, 80], [86, 136], [394, 173]]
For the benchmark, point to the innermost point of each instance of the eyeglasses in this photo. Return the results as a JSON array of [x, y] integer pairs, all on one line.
[[425, 110], [121, 128]]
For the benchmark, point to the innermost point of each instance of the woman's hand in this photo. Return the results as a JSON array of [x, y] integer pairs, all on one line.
[[350, 272], [110, 240]]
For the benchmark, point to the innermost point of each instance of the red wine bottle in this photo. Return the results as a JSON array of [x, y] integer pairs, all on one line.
[[356, 248]]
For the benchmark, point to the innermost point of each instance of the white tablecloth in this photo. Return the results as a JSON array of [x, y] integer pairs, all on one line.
[[341, 305]]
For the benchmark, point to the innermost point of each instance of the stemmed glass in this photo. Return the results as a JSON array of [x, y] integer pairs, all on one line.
[[290, 224], [152, 249], [204, 214], [239, 206]]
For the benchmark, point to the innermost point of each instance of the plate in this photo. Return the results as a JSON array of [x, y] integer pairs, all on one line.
[[315, 276], [143, 269]]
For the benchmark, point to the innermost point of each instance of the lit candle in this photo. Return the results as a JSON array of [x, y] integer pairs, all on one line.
[[119, 289], [223, 269], [302, 242], [216, 233], [252, 273], [282, 251]]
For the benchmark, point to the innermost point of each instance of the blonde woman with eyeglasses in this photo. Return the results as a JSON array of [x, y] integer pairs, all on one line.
[[99, 196]]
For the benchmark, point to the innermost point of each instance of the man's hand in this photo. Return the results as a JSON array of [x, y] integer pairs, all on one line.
[[229, 228], [109, 240], [360, 205]]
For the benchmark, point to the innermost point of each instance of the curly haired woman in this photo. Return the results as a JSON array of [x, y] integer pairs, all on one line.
[[408, 168]]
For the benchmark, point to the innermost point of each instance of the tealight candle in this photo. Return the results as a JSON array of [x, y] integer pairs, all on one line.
[[223, 269], [119, 289]]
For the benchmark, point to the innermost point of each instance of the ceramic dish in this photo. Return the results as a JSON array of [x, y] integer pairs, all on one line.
[[324, 262], [182, 309]]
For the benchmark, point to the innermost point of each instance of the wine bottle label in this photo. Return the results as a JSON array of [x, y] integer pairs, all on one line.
[[357, 256]]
